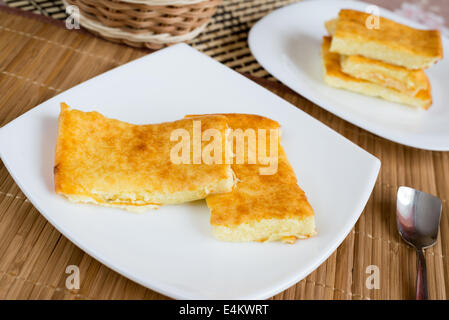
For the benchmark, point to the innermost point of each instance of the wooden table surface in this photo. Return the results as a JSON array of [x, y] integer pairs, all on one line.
[[39, 59]]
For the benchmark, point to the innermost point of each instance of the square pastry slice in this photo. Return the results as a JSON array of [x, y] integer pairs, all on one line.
[[391, 42], [385, 74], [335, 77], [261, 207], [379, 72], [118, 164]]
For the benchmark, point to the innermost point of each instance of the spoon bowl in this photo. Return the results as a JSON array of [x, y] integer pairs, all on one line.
[[418, 219]]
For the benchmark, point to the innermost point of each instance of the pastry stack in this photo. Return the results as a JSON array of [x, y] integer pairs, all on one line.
[[386, 60]]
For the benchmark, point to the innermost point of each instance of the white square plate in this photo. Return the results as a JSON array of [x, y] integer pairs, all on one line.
[[172, 250], [287, 43]]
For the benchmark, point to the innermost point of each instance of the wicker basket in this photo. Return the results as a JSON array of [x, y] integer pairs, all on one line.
[[145, 23]]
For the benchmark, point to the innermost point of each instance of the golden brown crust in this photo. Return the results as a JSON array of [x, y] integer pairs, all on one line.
[[392, 42], [118, 163], [334, 76], [259, 197], [243, 120], [331, 26]]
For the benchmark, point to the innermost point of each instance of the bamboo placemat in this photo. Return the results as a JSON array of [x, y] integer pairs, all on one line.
[[225, 38], [40, 59]]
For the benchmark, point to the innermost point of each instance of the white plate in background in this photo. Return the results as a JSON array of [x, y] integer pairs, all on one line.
[[287, 43], [172, 250]]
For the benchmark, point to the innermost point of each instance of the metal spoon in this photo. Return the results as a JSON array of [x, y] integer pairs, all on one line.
[[418, 219]]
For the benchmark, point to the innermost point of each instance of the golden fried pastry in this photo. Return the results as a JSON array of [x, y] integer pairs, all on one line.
[[334, 76], [331, 26], [384, 74], [261, 207], [118, 164], [392, 42]]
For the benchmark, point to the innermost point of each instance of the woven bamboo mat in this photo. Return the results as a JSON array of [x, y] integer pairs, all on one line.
[[39, 60], [225, 36]]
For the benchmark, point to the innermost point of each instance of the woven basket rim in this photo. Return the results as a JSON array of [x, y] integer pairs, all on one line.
[[151, 26], [141, 37], [116, 33], [163, 2]]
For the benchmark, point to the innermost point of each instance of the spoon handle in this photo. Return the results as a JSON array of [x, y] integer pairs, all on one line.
[[421, 279]]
